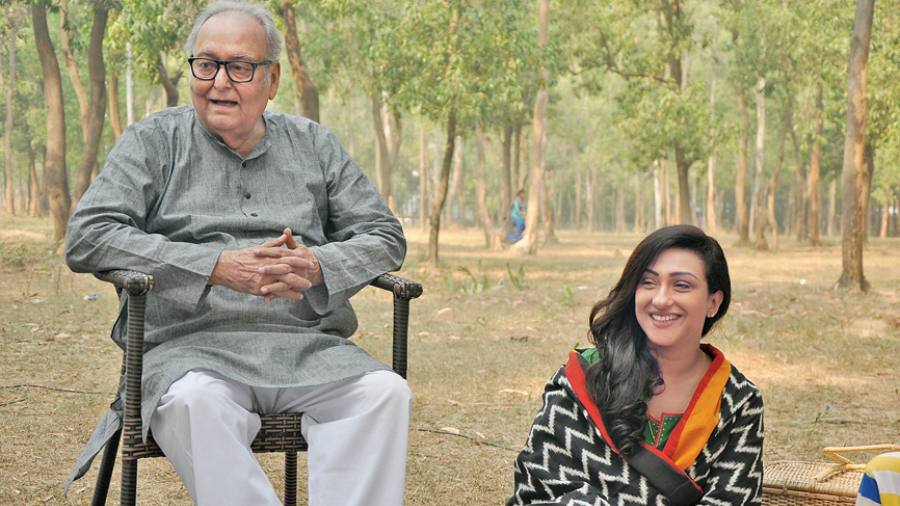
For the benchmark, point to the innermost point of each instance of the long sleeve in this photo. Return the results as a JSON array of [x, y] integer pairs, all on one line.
[[736, 472], [364, 239], [554, 468], [110, 228]]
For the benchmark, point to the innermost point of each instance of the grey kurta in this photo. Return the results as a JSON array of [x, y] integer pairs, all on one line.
[[172, 197]]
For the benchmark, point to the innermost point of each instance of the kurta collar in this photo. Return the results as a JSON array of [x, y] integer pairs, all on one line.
[[261, 147]]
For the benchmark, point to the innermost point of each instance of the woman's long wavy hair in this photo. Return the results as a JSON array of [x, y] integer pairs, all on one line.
[[624, 378]]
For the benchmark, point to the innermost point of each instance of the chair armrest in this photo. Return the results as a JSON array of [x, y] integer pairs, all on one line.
[[401, 288], [133, 282]]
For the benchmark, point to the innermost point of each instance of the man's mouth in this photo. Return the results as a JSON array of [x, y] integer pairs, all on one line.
[[223, 103]]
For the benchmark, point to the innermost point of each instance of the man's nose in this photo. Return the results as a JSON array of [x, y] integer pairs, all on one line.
[[221, 80]]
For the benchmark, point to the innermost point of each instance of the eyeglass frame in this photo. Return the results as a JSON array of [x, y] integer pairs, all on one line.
[[224, 63]]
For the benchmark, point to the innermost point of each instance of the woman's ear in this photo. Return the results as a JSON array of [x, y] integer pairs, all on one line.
[[715, 300]]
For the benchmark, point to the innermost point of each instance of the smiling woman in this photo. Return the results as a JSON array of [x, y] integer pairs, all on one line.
[[648, 396]]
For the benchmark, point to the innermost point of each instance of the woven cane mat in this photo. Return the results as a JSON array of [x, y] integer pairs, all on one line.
[[794, 483]]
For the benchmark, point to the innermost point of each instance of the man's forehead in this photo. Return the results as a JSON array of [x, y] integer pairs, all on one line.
[[231, 34]]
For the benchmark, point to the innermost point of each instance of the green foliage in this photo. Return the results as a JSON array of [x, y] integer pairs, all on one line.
[[473, 284], [516, 277], [16, 255]]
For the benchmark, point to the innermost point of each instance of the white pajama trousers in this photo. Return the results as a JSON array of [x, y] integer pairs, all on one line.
[[357, 431]]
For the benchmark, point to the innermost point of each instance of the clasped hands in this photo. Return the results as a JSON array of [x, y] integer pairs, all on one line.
[[280, 268]]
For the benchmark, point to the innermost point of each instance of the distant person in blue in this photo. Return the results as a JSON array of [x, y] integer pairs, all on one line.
[[518, 217]]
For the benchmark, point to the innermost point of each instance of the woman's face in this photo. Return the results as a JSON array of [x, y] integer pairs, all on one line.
[[672, 300]]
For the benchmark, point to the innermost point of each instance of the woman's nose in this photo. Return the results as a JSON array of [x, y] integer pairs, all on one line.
[[661, 297]]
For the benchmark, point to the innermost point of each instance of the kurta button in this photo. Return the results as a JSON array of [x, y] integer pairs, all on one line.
[[244, 164], [247, 195], [254, 215]]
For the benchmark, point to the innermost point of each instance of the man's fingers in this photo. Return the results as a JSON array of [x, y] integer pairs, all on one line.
[[287, 282], [289, 241], [288, 265]]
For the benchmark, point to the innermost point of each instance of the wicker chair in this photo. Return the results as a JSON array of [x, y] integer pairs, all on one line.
[[279, 433]]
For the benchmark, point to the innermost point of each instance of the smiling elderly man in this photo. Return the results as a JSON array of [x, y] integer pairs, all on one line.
[[209, 199]]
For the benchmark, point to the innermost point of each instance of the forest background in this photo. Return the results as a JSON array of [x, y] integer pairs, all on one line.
[[772, 124]]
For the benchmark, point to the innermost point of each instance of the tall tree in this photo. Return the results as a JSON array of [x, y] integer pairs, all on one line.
[[92, 122], [56, 179], [9, 196], [853, 174], [529, 242], [303, 84]]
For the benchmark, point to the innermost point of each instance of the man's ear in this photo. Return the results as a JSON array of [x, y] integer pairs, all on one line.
[[274, 79]]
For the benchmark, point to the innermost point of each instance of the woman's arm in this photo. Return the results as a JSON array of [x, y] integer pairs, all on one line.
[[736, 473], [549, 470]]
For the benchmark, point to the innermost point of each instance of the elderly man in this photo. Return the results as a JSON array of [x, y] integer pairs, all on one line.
[[258, 227]]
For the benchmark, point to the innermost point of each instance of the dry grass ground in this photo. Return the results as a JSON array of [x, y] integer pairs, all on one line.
[[489, 331]]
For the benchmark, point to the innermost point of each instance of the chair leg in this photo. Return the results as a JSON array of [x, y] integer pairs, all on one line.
[[290, 479], [129, 482], [101, 490]]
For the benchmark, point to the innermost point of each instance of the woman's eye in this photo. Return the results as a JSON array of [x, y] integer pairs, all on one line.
[[683, 286]]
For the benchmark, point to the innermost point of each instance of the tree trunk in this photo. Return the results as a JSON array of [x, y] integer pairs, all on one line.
[[129, 86], [885, 219], [55, 178], [506, 181], [72, 68], [659, 206], [668, 219], [854, 174], [9, 194], [815, 157], [711, 161], [437, 205], [548, 217], [115, 115], [529, 243], [169, 84], [484, 218], [638, 204], [455, 182], [869, 169], [831, 223], [517, 162], [742, 223], [773, 188], [685, 214], [388, 135], [591, 183], [303, 85], [93, 125], [423, 178], [579, 211], [800, 189], [759, 191], [34, 207]]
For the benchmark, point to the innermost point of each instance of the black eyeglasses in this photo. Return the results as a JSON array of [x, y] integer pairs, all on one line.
[[206, 69]]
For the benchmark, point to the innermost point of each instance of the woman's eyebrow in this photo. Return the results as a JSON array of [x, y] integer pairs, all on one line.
[[676, 273]]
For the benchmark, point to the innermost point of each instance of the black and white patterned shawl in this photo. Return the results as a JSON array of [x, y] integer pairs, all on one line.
[[566, 460]]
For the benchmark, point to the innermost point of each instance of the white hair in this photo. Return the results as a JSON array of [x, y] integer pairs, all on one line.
[[258, 12]]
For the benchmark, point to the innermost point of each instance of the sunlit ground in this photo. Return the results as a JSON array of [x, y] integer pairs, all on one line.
[[490, 330]]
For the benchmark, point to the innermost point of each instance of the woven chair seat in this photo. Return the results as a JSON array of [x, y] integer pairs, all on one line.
[[793, 483], [277, 433]]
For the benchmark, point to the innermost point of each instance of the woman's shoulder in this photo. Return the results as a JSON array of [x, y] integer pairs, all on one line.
[[741, 396]]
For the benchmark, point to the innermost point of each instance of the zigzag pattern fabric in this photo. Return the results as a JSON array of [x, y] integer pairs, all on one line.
[[566, 461]]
